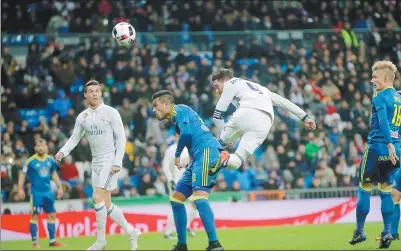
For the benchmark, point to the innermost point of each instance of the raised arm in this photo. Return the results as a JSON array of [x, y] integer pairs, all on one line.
[[119, 138], [282, 102]]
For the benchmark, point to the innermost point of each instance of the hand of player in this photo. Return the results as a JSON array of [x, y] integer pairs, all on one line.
[[60, 193], [115, 169], [177, 163], [231, 144], [59, 156], [21, 194], [310, 124], [392, 154]]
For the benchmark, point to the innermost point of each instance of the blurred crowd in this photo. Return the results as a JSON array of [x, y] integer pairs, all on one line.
[[330, 79], [100, 16]]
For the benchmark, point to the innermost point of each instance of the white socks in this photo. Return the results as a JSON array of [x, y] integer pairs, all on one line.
[[101, 216], [234, 162], [118, 217]]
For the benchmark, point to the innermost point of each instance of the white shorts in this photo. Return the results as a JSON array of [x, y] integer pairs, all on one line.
[[251, 125], [102, 176]]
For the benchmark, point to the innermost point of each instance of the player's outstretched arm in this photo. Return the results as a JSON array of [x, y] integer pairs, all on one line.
[[119, 139], [282, 102], [72, 142]]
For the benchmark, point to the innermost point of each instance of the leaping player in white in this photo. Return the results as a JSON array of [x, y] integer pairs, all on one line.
[[104, 130], [173, 175], [253, 118]]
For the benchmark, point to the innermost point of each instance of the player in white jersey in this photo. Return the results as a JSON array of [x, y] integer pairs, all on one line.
[[173, 174], [104, 130], [253, 118]]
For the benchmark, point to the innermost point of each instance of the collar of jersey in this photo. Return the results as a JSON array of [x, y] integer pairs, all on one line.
[[97, 109], [40, 158]]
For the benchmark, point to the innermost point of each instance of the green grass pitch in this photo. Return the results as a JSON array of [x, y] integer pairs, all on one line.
[[310, 237]]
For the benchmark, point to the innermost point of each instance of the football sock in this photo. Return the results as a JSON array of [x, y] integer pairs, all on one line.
[[387, 209], [396, 219], [101, 217], [207, 216], [51, 227], [118, 217], [362, 208], [33, 229], [180, 219]]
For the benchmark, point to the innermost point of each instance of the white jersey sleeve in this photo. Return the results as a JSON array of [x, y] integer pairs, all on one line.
[[119, 138], [282, 102], [228, 95], [75, 137]]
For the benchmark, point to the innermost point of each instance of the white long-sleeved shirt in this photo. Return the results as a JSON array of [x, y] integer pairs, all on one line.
[[104, 130], [171, 172], [251, 95]]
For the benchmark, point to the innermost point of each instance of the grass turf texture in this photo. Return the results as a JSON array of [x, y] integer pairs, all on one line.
[[309, 237]]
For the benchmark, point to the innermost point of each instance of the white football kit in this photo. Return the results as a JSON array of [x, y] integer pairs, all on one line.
[[254, 116], [104, 130], [171, 172]]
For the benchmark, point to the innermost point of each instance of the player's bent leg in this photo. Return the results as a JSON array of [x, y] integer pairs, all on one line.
[[200, 198], [387, 209], [192, 211], [362, 211], [98, 197], [117, 216], [33, 229]]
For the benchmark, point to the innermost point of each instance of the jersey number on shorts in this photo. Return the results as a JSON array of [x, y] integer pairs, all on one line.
[[397, 115], [254, 88]]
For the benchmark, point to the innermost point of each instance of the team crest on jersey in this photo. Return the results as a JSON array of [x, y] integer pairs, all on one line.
[[44, 171], [102, 119], [85, 115]]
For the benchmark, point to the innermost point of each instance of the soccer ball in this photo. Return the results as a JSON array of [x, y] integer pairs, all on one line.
[[124, 34]]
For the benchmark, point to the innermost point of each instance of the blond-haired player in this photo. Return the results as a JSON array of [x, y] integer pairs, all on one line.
[[104, 130], [381, 156]]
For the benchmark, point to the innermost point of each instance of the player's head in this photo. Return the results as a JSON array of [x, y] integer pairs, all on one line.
[[383, 74], [220, 77], [163, 102], [93, 93], [41, 146]]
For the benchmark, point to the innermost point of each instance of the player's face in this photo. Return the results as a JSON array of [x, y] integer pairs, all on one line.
[[94, 95], [159, 109], [41, 149], [218, 85], [379, 80]]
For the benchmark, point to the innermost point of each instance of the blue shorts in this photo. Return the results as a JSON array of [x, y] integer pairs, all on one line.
[[376, 165], [196, 176], [397, 180], [42, 202]]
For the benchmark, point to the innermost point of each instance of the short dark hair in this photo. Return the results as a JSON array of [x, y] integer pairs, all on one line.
[[164, 95], [222, 73], [91, 82], [40, 141]]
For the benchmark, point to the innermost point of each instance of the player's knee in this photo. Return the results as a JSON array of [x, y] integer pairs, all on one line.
[[34, 218], [97, 197], [51, 216], [200, 195], [177, 197], [396, 195], [366, 186], [385, 187]]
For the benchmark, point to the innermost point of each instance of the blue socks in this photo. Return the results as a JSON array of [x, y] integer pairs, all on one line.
[[387, 208], [51, 227], [207, 216], [396, 219], [180, 219], [362, 208], [33, 229]]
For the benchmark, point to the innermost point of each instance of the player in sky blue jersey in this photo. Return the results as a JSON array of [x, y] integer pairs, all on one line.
[[40, 169], [381, 157], [204, 151]]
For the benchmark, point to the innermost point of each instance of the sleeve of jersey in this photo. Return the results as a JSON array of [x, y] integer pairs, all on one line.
[[167, 162], [222, 105], [380, 105], [73, 141], [182, 121], [119, 138], [25, 168], [279, 101]]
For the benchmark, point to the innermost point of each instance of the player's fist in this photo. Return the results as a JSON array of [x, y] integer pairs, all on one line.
[[59, 156], [310, 124], [21, 194], [115, 169]]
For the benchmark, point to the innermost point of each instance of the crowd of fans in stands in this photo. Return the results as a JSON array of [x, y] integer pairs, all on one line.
[[330, 80]]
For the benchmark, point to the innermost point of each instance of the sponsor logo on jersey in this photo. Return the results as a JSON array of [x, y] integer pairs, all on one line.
[[394, 134]]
